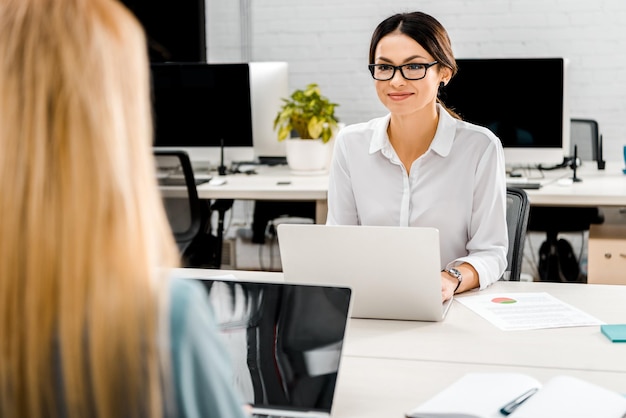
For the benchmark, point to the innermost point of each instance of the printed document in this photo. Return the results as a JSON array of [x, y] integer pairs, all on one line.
[[516, 395], [523, 311]]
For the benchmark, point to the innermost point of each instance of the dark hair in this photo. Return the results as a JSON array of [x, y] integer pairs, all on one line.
[[423, 29]]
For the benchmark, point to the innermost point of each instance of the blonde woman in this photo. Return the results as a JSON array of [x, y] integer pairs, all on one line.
[[89, 324]]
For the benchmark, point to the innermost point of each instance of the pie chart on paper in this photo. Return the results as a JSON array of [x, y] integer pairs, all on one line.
[[504, 301]]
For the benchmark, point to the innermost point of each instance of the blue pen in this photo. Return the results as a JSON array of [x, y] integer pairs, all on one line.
[[511, 406]]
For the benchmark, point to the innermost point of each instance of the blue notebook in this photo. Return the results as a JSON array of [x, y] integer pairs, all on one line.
[[615, 332]]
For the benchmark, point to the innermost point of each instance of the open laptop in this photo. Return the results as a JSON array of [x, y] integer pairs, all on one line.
[[394, 272], [285, 341]]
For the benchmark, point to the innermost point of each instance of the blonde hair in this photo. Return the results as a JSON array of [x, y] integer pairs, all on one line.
[[83, 232]]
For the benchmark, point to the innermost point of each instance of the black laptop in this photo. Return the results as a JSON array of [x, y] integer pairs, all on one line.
[[285, 341]]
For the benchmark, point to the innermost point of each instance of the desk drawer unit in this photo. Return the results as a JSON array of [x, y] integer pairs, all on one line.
[[607, 254]]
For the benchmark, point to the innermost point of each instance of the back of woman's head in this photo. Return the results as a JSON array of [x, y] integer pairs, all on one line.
[[83, 230]]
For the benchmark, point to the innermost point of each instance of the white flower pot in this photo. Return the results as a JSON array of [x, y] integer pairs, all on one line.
[[308, 156]]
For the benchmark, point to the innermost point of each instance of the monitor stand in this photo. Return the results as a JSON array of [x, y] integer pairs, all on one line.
[[574, 165]]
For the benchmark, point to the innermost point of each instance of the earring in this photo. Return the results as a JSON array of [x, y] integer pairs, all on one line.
[[441, 92]]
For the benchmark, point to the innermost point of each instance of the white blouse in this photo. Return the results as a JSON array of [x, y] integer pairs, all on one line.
[[458, 186]]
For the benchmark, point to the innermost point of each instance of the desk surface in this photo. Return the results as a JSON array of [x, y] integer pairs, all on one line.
[[270, 183], [597, 188], [385, 387], [389, 367], [576, 348], [273, 183]]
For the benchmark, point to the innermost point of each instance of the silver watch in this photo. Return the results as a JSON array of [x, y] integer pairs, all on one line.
[[457, 275]]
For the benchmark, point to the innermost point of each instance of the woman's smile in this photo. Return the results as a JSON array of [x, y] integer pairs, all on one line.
[[400, 95]]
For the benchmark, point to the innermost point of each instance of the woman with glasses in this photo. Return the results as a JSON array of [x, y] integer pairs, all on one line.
[[421, 165], [90, 324]]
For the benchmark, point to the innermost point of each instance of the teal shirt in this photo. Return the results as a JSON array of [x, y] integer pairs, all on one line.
[[203, 380]]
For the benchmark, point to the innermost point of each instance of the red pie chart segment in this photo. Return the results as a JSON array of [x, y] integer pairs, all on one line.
[[503, 300]]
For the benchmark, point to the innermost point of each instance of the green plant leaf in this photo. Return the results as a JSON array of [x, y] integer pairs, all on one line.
[[308, 113], [315, 127]]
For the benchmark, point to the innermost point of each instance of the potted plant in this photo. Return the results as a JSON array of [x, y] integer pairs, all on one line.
[[312, 117]]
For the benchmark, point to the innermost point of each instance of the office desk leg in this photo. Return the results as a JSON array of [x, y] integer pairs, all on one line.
[[321, 211], [221, 206]]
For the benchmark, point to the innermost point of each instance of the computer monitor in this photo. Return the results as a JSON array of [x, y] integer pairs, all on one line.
[[522, 100], [198, 105], [175, 30], [269, 84]]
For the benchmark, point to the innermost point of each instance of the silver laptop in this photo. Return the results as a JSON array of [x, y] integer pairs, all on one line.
[[394, 272], [285, 341]]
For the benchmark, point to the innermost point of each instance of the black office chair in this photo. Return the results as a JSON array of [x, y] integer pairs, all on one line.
[[182, 204], [265, 211], [517, 213], [585, 135], [557, 261]]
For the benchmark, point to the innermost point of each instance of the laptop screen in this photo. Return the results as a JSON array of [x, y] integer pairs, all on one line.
[[285, 340]]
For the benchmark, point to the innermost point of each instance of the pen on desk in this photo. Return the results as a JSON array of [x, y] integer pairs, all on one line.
[[511, 406]]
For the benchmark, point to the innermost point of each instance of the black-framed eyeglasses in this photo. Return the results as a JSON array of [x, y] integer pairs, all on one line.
[[414, 71]]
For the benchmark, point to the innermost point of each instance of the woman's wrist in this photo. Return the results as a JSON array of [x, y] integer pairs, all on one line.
[[456, 277]]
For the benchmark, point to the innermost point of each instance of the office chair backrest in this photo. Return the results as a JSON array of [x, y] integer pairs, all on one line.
[[517, 213], [584, 133], [180, 197]]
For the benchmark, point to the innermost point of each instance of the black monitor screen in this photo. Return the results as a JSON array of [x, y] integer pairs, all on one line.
[[519, 99], [199, 104]]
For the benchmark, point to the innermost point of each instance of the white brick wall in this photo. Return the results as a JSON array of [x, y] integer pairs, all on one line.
[[326, 41]]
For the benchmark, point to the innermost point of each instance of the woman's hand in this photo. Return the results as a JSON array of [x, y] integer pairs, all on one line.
[[448, 286]]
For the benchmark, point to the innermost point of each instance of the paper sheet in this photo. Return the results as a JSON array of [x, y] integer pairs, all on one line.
[[523, 311]]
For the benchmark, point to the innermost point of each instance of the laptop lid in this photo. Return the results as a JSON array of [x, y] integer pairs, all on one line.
[[394, 272], [285, 341]]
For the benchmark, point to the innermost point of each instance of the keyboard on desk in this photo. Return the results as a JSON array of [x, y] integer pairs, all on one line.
[[180, 181], [522, 183]]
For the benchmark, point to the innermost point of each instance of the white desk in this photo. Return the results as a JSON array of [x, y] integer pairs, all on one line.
[[466, 337], [389, 367], [598, 188], [375, 387], [272, 183]]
